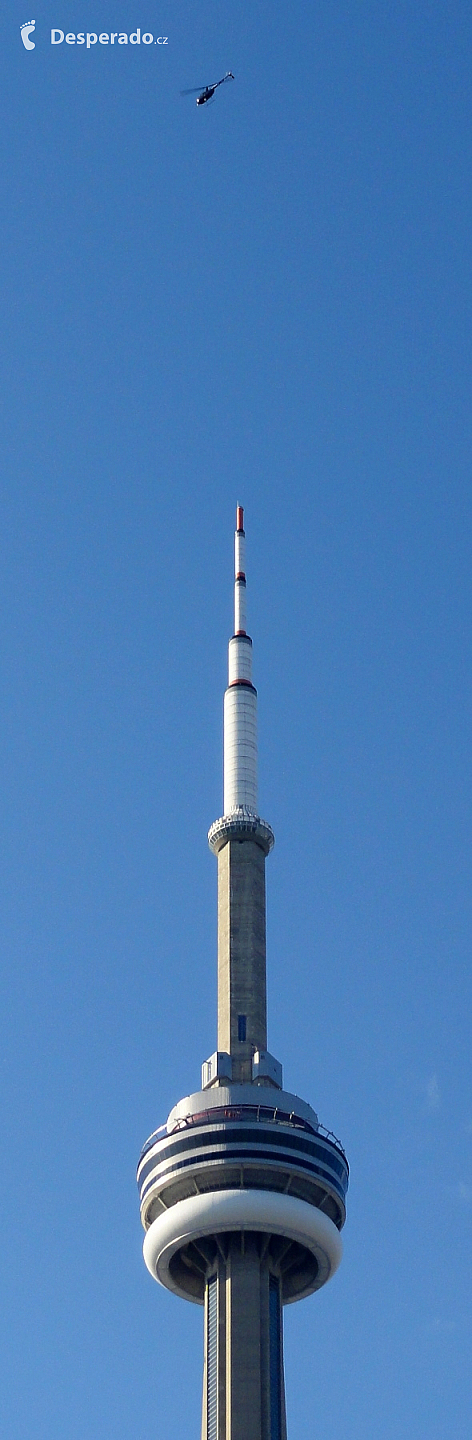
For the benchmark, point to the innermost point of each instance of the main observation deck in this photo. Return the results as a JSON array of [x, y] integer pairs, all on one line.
[[235, 1140]]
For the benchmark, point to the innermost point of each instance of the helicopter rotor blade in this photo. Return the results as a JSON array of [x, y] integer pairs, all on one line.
[[196, 89]]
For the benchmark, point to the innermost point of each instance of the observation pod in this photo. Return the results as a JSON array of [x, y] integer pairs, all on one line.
[[242, 1191]]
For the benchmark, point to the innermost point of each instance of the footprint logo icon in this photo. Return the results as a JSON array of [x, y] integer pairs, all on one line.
[[25, 32]]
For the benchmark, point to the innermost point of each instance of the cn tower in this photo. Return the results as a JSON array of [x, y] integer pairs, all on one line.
[[242, 1191]]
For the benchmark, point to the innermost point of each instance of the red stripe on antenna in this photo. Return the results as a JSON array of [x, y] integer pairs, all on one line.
[[239, 517]]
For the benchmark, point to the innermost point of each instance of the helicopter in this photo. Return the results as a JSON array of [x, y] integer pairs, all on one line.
[[206, 91]]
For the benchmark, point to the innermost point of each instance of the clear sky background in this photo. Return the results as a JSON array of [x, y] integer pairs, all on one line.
[[268, 302]]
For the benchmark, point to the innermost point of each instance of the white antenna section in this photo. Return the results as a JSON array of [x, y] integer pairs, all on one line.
[[240, 706]]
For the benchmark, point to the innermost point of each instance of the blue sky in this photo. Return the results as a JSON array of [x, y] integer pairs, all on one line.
[[266, 302]]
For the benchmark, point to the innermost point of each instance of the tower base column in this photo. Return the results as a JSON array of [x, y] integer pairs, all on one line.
[[243, 1385]]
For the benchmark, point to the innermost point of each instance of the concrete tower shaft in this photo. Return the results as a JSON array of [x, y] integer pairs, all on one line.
[[243, 1375], [242, 1004]]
